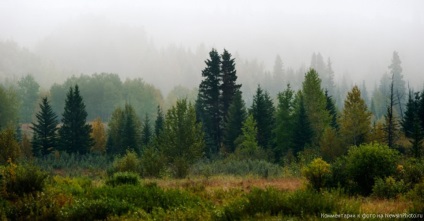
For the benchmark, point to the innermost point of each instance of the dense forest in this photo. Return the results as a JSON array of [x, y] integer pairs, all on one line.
[[97, 147]]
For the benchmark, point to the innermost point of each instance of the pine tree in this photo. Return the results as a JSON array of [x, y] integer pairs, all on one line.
[[228, 87], [284, 123], [331, 108], [411, 125], [159, 122], [315, 104], [263, 112], [146, 134], [45, 130], [234, 121], [302, 130], [75, 132], [355, 120], [208, 102]]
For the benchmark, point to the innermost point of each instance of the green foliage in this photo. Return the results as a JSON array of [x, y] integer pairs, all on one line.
[[146, 133], [331, 108], [302, 129], [417, 195], [388, 187], [234, 121], [152, 162], [98, 209], [123, 178], [228, 88], [45, 138], [124, 131], [331, 145], [182, 141], [21, 180], [28, 94], [263, 112], [368, 162], [315, 104], [159, 122], [317, 173], [411, 124], [9, 107], [248, 147], [9, 147], [284, 123], [127, 163], [75, 132]]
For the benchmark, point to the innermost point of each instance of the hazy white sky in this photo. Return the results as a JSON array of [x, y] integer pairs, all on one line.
[[358, 35]]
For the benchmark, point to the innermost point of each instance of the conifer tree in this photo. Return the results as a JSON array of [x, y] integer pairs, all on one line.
[[391, 122], [355, 120], [146, 134], [75, 132], [302, 130], [411, 125], [315, 104], [234, 121], [284, 122], [228, 87], [262, 111], [45, 130], [208, 102], [159, 121], [399, 88], [331, 108], [248, 147]]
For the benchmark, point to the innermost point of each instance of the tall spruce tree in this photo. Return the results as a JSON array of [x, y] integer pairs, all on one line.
[[159, 122], [399, 88], [315, 104], [75, 132], [302, 130], [411, 125], [208, 102], [391, 122], [45, 130], [284, 123], [355, 120], [331, 108], [234, 121], [228, 87], [146, 133], [262, 111]]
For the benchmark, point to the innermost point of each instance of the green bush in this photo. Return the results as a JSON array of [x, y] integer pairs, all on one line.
[[33, 207], [388, 187], [317, 173], [19, 180], [127, 163], [98, 209], [412, 171], [123, 178], [367, 162], [152, 162], [270, 201]]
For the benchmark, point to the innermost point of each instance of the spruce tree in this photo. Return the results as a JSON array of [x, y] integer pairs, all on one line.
[[75, 132], [302, 130], [399, 88], [208, 102], [146, 134], [228, 87], [262, 111], [331, 108], [45, 130], [234, 121], [411, 125], [284, 123], [391, 122], [355, 120], [159, 121]]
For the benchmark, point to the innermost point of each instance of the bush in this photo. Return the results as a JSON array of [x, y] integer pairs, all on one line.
[[152, 162], [388, 187], [32, 207], [318, 173], [417, 197], [128, 163], [123, 178], [412, 171], [19, 180], [370, 161], [98, 209]]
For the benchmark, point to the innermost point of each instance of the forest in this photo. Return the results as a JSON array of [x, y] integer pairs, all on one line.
[[298, 146]]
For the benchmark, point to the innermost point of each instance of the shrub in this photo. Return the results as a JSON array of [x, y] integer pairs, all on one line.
[[128, 163], [19, 180], [98, 209], [417, 197], [412, 171], [388, 187], [317, 173], [33, 207], [370, 161], [269, 201], [123, 178], [152, 162]]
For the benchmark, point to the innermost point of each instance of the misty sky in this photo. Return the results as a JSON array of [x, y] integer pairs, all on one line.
[[358, 35]]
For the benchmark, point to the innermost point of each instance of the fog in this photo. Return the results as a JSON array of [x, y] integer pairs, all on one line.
[[125, 37]]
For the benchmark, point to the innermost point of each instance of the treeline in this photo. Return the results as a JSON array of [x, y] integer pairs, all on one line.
[[302, 122]]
